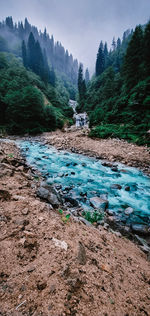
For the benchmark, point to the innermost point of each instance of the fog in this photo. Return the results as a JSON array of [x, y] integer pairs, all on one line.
[[80, 25]]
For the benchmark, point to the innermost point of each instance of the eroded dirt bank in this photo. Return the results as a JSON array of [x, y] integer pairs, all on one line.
[[52, 268], [110, 149]]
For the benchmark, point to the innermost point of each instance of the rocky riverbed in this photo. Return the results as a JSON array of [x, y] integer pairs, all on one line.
[[113, 150], [54, 265]]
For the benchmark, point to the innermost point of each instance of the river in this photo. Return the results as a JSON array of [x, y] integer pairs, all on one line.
[[82, 178]]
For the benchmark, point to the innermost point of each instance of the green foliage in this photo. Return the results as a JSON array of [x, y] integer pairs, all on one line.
[[118, 101], [65, 218], [93, 217], [131, 133], [22, 98]]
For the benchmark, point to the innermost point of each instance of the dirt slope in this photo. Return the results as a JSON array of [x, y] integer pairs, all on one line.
[[52, 268]]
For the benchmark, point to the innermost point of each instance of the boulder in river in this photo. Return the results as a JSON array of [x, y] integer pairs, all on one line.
[[129, 210], [141, 229], [99, 203], [116, 186]]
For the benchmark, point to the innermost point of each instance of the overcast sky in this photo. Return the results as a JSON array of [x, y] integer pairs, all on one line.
[[80, 25]]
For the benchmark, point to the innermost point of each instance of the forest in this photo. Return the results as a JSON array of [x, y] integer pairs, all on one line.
[[117, 98], [38, 77]]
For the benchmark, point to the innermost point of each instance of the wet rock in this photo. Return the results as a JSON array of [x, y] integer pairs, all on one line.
[[5, 195], [107, 164], [141, 229], [110, 212], [99, 203], [84, 164], [128, 211], [73, 173], [116, 186], [81, 257], [127, 188], [115, 169], [72, 201]]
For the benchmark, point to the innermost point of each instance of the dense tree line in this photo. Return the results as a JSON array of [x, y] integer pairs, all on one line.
[[36, 60], [27, 104], [58, 58], [118, 96]]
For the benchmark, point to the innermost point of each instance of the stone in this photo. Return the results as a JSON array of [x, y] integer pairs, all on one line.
[[5, 195], [60, 244], [41, 285], [107, 164], [128, 211], [19, 198], [116, 186], [110, 212], [50, 194], [141, 229], [127, 188], [81, 257], [115, 169], [98, 203], [25, 211], [72, 201], [84, 221]]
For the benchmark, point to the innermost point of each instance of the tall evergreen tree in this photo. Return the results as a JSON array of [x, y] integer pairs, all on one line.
[[147, 49], [31, 52], [87, 76], [118, 43], [81, 89], [100, 61], [113, 43], [24, 54], [133, 58]]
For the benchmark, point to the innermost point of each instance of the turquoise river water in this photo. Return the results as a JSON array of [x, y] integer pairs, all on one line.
[[84, 177]]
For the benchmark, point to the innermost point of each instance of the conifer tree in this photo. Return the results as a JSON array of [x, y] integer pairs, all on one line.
[[147, 49], [100, 61], [133, 58], [31, 52], [87, 76], [81, 88], [24, 54]]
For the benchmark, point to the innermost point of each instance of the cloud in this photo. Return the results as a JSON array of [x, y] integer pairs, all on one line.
[[80, 24]]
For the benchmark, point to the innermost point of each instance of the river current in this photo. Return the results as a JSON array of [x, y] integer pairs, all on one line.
[[83, 177]]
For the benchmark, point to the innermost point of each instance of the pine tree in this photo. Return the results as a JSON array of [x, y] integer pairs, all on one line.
[[113, 43], [24, 54], [31, 52], [9, 22], [134, 56], [87, 76], [118, 43], [39, 61], [27, 26], [100, 61], [147, 49], [52, 79], [81, 89]]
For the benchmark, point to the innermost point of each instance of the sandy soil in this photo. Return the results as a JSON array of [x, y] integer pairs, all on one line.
[[52, 268], [110, 149]]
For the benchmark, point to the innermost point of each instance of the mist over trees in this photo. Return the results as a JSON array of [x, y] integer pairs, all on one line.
[[13, 34]]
